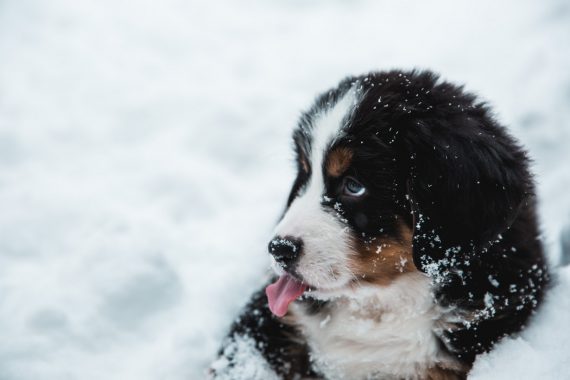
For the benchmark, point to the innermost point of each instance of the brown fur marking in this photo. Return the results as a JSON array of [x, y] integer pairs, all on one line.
[[383, 259], [304, 163], [338, 161], [440, 373]]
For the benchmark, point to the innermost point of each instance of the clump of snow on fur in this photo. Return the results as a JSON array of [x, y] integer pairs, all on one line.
[[538, 352], [241, 360]]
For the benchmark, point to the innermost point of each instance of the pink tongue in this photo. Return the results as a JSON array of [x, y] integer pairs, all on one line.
[[282, 293]]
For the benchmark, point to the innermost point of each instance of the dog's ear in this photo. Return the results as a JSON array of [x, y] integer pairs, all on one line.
[[466, 178]]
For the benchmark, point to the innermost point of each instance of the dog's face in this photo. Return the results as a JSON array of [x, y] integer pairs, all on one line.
[[395, 170], [347, 219]]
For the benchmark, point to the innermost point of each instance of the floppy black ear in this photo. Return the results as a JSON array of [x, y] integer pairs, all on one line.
[[467, 179]]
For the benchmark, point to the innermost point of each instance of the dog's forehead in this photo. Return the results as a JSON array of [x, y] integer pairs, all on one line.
[[326, 125]]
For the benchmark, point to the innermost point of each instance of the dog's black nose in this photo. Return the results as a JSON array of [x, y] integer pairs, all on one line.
[[285, 250]]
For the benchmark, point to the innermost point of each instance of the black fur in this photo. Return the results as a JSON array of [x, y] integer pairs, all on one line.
[[438, 161], [276, 341]]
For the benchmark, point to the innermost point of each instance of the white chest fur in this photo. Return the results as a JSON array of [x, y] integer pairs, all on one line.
[[377, 332]]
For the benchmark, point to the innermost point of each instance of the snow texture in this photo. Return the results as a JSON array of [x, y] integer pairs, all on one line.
[[144, 159], [246, 361]]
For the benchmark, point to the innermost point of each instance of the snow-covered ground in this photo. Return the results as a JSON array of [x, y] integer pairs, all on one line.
[[144, 158]]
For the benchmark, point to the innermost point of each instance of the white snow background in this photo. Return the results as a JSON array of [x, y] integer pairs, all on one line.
[[144, 159]]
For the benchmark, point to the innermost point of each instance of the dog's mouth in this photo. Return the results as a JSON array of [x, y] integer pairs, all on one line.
[[284, 291], [289, 287]]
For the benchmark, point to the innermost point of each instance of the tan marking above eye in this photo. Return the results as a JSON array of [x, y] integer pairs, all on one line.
[[338, 161]]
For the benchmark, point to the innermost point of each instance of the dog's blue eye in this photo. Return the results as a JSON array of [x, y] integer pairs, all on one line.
[[353, 188]]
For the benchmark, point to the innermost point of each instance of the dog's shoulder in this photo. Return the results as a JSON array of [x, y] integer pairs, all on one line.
[[270, 347]]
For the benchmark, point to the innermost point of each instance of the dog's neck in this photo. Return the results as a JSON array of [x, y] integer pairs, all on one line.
[[387, 332]]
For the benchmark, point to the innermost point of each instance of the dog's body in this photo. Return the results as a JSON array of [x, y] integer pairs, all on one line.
[[409, 244]]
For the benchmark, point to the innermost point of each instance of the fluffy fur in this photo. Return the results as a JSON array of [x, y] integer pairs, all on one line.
[[412, 220]]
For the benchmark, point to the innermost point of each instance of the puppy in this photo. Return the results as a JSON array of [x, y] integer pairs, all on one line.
[[409, 243]]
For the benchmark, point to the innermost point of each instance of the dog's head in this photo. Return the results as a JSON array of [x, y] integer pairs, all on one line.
[[395, 170]]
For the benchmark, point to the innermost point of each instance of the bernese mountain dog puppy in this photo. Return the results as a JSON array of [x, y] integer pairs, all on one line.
[[409, 243]]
